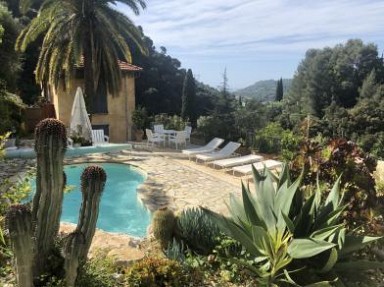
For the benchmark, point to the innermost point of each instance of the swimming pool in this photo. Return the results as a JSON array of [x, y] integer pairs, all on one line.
[[120, 209]]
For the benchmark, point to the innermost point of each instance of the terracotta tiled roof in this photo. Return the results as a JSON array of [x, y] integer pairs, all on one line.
[[124, 66]]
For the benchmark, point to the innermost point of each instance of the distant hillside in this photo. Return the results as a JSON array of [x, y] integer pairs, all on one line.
[[264, 91]]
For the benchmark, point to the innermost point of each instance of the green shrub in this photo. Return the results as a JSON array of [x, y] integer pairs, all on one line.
[[157, 272], [290, 144], [170, 122], [217, 125], [97, 272], [197, 231], [268, 139], [163, 226]]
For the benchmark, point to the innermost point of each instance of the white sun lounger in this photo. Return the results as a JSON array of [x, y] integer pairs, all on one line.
[[225, 152], [209, 147], [259, 166], [230, 162]]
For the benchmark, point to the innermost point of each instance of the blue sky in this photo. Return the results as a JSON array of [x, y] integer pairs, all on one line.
[[255, 39]]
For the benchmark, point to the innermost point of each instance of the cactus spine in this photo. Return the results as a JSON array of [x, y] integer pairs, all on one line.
[[50, 146], [20, 232], [93, 180]]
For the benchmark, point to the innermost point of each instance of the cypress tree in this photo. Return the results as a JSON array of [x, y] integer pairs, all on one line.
[[188, 98], [279, 90]]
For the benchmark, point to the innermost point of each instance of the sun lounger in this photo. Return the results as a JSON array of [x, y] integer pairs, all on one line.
[[247, 169], [209, 147], [225, 152], [230, 162]]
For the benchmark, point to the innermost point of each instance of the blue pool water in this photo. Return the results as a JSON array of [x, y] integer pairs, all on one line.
[[120, 209]]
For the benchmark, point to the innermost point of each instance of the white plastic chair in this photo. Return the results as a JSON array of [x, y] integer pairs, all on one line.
[[188, 131], [98, 137], [158, 129], [179, 138], [153, 138]]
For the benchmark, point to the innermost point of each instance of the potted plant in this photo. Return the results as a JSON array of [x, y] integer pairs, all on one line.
[[76, 137], [139, 119]]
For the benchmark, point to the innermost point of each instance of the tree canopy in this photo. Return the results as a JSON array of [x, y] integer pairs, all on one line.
[[92, 32]]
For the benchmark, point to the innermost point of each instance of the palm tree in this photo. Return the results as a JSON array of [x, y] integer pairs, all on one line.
[[87, 32]]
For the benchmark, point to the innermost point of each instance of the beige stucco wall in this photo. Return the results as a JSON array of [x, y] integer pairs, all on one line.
[[120, 108]]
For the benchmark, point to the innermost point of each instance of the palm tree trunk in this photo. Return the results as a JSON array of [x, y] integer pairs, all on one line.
[[89, 75]]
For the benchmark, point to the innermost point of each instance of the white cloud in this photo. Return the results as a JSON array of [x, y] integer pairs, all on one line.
[[257, 28]]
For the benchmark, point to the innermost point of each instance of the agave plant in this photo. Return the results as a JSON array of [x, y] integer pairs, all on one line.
[[281, 233]]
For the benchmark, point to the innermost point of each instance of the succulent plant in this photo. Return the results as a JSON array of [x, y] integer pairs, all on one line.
[[197, 230], [281, 233], [163, 226]]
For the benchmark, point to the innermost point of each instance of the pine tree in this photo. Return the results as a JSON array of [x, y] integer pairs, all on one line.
[[279, 90], [188, 98]]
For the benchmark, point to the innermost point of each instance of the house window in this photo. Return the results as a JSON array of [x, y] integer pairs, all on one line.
[[100, 102]]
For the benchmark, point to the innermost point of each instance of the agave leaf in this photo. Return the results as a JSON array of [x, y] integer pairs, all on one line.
[[289, 279], [264, 197], [304, 220], [289, 223], [341, 238], [235, 208], [218, 219], [261, 240], [305, 248], [284, 176], [353, 243], [250, 208], [251, 244], [317, 200], [334, 196], [323, 234], [285, 196], [330, 218], [332, 260], [359, 265]]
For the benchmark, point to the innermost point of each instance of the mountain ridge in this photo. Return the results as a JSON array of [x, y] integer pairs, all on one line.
[[264, 90]]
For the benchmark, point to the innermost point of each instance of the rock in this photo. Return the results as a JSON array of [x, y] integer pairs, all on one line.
[[124, 257]]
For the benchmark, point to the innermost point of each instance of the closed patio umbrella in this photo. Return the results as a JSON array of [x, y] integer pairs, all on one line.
[[80, 124]]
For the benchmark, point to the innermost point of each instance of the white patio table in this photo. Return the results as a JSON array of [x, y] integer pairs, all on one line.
[[168, 134]]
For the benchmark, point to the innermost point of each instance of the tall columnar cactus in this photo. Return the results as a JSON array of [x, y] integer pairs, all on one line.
[[33, 233], [50, 146], [20, 232], [93, 180]]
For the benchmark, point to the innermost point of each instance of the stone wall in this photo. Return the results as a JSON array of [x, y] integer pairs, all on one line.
[[120, 108]]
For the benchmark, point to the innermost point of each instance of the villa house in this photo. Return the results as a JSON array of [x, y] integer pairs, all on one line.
[[110, 113]]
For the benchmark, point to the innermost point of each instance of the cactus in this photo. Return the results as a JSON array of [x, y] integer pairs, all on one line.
[[163, 226], [18, 221], [92, 185], [50, 146], [33, 233]]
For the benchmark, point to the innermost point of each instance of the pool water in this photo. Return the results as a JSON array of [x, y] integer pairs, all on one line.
[[120, 209]]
